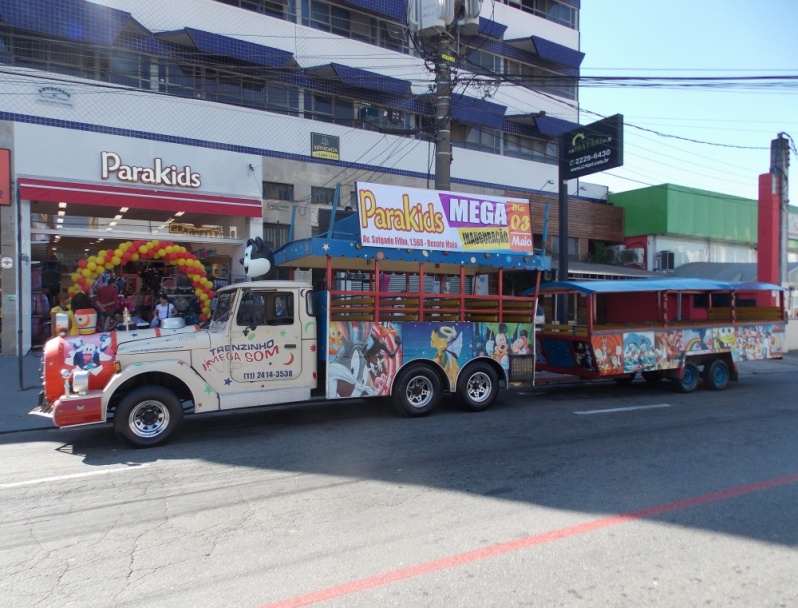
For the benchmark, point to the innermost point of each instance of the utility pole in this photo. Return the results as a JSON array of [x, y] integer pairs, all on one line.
[[435, 21], [443, 113], [779, 165]]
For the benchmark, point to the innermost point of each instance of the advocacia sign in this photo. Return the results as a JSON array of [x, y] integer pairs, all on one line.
[[397, 217]]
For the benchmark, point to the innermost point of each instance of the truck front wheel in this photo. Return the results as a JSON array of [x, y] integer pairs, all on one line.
[[148, 416], [477, 387], [417, 392]]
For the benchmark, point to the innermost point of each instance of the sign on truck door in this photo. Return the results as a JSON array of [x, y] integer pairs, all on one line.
[[265, 339]]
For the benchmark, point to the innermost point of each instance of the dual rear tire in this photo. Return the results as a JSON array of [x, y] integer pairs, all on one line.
[[418, 390]]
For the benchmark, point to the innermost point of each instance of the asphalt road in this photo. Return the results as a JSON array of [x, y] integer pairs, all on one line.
[[588, 495]]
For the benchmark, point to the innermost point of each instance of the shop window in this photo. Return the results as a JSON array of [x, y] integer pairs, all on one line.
[[278, 192]]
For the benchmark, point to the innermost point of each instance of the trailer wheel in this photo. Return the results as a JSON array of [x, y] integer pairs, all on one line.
[[653, 377], [689, 379], [716, 375], [417, 392], [477, 387], [148, 416]]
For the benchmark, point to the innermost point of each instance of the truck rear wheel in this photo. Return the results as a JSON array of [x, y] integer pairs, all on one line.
[[417, 392], [477, 387], [148, 416], [689, 379], [716, 374]]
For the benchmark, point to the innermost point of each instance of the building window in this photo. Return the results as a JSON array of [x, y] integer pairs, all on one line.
[[275, 235], [322, 196], [476, 138], [278, 192], [327, 108], [530, 148], [551, 10]]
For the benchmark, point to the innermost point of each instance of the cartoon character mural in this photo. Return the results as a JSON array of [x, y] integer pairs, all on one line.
[[363, 360], [668, 348], [638, 351], [608, 349], [448, 343], [501, 347]]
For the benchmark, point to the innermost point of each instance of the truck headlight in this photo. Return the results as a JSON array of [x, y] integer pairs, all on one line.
[[80, 381]]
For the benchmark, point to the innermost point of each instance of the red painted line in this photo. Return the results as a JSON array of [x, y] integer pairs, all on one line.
[[467, 557]]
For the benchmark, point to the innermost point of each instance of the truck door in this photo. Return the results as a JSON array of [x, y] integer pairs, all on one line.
[[265, 339]]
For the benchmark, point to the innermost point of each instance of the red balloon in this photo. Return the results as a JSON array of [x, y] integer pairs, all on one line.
[[82, 263], [203, 317]]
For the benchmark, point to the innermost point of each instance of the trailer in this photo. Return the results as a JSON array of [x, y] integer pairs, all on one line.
[[682, 329]]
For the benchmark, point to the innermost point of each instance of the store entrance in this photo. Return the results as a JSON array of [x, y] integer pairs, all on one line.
[[71, 246]]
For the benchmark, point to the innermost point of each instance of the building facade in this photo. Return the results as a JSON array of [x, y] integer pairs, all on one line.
[[204, 122]]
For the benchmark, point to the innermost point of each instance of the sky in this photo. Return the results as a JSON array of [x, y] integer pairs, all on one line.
[[693, 38]]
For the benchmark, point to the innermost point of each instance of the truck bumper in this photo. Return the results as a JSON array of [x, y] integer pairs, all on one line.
[[74, 410]]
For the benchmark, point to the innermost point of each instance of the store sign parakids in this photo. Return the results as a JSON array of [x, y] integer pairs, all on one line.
[[158, 174]]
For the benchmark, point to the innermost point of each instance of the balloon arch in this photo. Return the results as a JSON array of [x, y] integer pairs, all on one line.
[[132, 251]]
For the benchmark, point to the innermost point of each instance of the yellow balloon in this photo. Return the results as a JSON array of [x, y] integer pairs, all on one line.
[[143, 249], [118, 252], [75, 276], [155, 243], [134, 257], [161, 252], [169, 249], [91, 266], [181, 262], [204, 297], [92, 258], [89, 281], [124, 246], [86, 272], [116, 261]]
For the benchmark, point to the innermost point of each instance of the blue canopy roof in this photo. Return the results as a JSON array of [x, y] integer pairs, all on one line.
[[646, 285]]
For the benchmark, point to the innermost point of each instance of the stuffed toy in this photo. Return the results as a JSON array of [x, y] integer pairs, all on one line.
[[258, 260]]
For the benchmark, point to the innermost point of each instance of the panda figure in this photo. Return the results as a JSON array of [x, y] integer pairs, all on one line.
[[258, 260]]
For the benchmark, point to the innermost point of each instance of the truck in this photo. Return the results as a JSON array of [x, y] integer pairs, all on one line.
[[396, 314], [416, 295]]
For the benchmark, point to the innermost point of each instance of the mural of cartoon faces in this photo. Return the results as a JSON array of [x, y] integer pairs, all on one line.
[[638, 351], [363, 359]]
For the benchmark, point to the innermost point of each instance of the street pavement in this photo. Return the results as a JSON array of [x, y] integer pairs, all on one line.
[[22, 389]]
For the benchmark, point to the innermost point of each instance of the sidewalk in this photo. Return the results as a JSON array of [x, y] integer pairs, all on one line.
[[15, 403]]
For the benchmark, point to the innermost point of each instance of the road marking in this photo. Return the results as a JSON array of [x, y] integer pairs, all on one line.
[[459, 559], [31, 482], [623, 409]]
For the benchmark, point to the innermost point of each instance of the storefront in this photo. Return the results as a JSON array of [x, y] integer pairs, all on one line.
[[85, 198]]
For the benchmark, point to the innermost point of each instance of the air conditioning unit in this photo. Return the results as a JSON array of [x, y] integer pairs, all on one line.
[[664, 260], [638, 253]]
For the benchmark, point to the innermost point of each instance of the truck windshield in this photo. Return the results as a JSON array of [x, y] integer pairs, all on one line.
[[223, 307]]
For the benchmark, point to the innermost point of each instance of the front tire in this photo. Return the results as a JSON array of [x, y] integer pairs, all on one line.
[[716, 375], [417, 392], [148, 416], [477, 387], [689, 379]]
